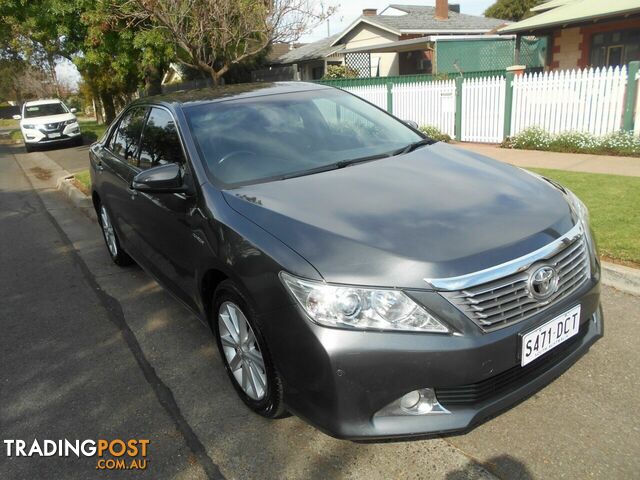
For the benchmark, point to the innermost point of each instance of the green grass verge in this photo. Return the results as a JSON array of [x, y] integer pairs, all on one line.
[[91, 129], [614, 204], [16, 135], [84, 179], [8, 123]]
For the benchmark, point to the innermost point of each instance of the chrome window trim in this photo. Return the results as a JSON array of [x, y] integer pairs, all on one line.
[[508, 268]]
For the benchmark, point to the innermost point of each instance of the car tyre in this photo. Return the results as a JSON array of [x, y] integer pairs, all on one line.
[[117, 254], [28, 148], [245, 353], [78, 142]]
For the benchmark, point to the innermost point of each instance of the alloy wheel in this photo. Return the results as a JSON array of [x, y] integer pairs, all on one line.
[[241, 351], [107, 229]]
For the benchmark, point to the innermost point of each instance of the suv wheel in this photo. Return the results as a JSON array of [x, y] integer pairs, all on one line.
[[244, 352], [118, 255]]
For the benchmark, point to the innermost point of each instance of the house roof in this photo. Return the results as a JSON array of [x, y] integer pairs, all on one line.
[[310, 51], [422, 43], [421, 19], [549, 4], [575, 11], [281, 48]]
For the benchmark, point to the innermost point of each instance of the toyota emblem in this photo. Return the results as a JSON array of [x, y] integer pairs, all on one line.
[[543, 282]]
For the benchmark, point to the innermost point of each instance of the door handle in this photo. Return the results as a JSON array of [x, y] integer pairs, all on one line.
[[99, 167]]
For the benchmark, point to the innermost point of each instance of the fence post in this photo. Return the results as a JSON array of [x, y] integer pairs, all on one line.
[[458, 126], [630, 98], [508, 103], [390, 97]]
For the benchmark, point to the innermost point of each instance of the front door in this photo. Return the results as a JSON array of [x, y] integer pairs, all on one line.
[[118, 163]]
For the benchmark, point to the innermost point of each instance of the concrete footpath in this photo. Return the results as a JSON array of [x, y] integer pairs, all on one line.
[[574, 162]]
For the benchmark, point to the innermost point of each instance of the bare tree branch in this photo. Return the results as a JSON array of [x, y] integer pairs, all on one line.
[[213, 35]]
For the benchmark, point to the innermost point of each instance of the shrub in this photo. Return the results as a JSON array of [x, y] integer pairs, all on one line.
[[435, 133], [530, 139], [618, 143], [339, 71]]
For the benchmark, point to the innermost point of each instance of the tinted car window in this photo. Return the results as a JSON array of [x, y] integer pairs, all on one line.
[[160, 143], [126, 138], [253, 139], [57, 108]]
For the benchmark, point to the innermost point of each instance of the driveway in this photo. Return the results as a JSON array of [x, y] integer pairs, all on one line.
[[91, 350]]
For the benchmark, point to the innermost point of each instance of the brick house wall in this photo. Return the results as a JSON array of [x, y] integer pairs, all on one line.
[[572, 45]]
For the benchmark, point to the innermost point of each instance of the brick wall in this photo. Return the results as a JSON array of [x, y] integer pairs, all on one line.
[[572, 46]]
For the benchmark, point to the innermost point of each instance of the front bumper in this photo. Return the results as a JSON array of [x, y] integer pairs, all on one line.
[[338, 379], [39, 137]]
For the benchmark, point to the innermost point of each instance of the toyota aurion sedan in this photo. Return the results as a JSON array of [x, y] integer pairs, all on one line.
[[46, 122], [354, 272]]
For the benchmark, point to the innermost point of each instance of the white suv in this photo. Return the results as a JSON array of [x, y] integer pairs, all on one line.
[[48, 121]]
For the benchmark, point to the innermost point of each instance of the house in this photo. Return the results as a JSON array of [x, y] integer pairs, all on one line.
[[402, 40], [585, 33], [312, 59]]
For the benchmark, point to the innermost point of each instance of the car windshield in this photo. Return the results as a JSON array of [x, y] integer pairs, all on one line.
[[279, 136], [43, 110]]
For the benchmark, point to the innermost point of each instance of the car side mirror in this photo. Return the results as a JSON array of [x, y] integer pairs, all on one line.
[[17, 117], [412, 124], [166, 178], [73, 110]]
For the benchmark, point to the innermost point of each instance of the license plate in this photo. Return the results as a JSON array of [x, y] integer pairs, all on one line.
[[550, 335], [54, 135]]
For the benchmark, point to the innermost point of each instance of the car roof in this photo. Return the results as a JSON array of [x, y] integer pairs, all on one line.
[[42, 102], [229, 92]]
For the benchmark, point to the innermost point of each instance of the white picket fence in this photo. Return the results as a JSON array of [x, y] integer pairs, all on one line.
[[432, 103], [483, 109], [376, 94], [578, 100], [589, 100]]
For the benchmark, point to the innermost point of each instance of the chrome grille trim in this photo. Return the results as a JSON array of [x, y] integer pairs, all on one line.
[[507, 268], [504, 301]]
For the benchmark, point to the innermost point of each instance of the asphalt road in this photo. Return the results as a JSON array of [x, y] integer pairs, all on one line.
[[90, 350]]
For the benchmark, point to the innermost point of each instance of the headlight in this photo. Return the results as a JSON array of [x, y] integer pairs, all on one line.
[[71, 122], [579, 208], [28, 126], [360, 308]]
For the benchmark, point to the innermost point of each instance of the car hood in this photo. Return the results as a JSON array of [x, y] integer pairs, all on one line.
[[437, 212], [48, 119]]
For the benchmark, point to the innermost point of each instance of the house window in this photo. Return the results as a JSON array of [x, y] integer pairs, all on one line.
[[610, 49]]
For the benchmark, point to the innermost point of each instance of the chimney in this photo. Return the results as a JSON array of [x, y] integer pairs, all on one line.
[[369, 12], [442, 10]]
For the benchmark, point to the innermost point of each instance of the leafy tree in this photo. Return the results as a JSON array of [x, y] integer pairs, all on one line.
[[512, 10], [214, 35]]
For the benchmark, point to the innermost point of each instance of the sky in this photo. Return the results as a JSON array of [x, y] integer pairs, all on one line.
[[347, 11]]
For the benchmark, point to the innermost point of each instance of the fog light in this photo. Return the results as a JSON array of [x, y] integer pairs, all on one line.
[[410, 400], [417, 402]]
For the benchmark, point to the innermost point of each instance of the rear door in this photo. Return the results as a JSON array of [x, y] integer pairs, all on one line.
[[164, 222], [119, 160]]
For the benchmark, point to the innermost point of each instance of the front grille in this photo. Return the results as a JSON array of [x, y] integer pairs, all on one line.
[[52, 127], [503, 302], [509, 379]]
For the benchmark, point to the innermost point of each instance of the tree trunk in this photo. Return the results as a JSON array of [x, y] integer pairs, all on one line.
[[153, 80], [109, 107]]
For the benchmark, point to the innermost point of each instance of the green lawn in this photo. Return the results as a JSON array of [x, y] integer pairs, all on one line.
[[91, 129], [614, 204], [83, 181], [8, 123]]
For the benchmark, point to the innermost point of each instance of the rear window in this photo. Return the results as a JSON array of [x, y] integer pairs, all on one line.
[[57, 108]]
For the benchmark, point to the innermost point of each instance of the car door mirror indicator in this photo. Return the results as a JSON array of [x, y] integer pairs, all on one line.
[[161, 179]]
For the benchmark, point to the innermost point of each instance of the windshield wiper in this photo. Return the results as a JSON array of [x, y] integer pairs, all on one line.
[[412, 146], [336, 165]]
